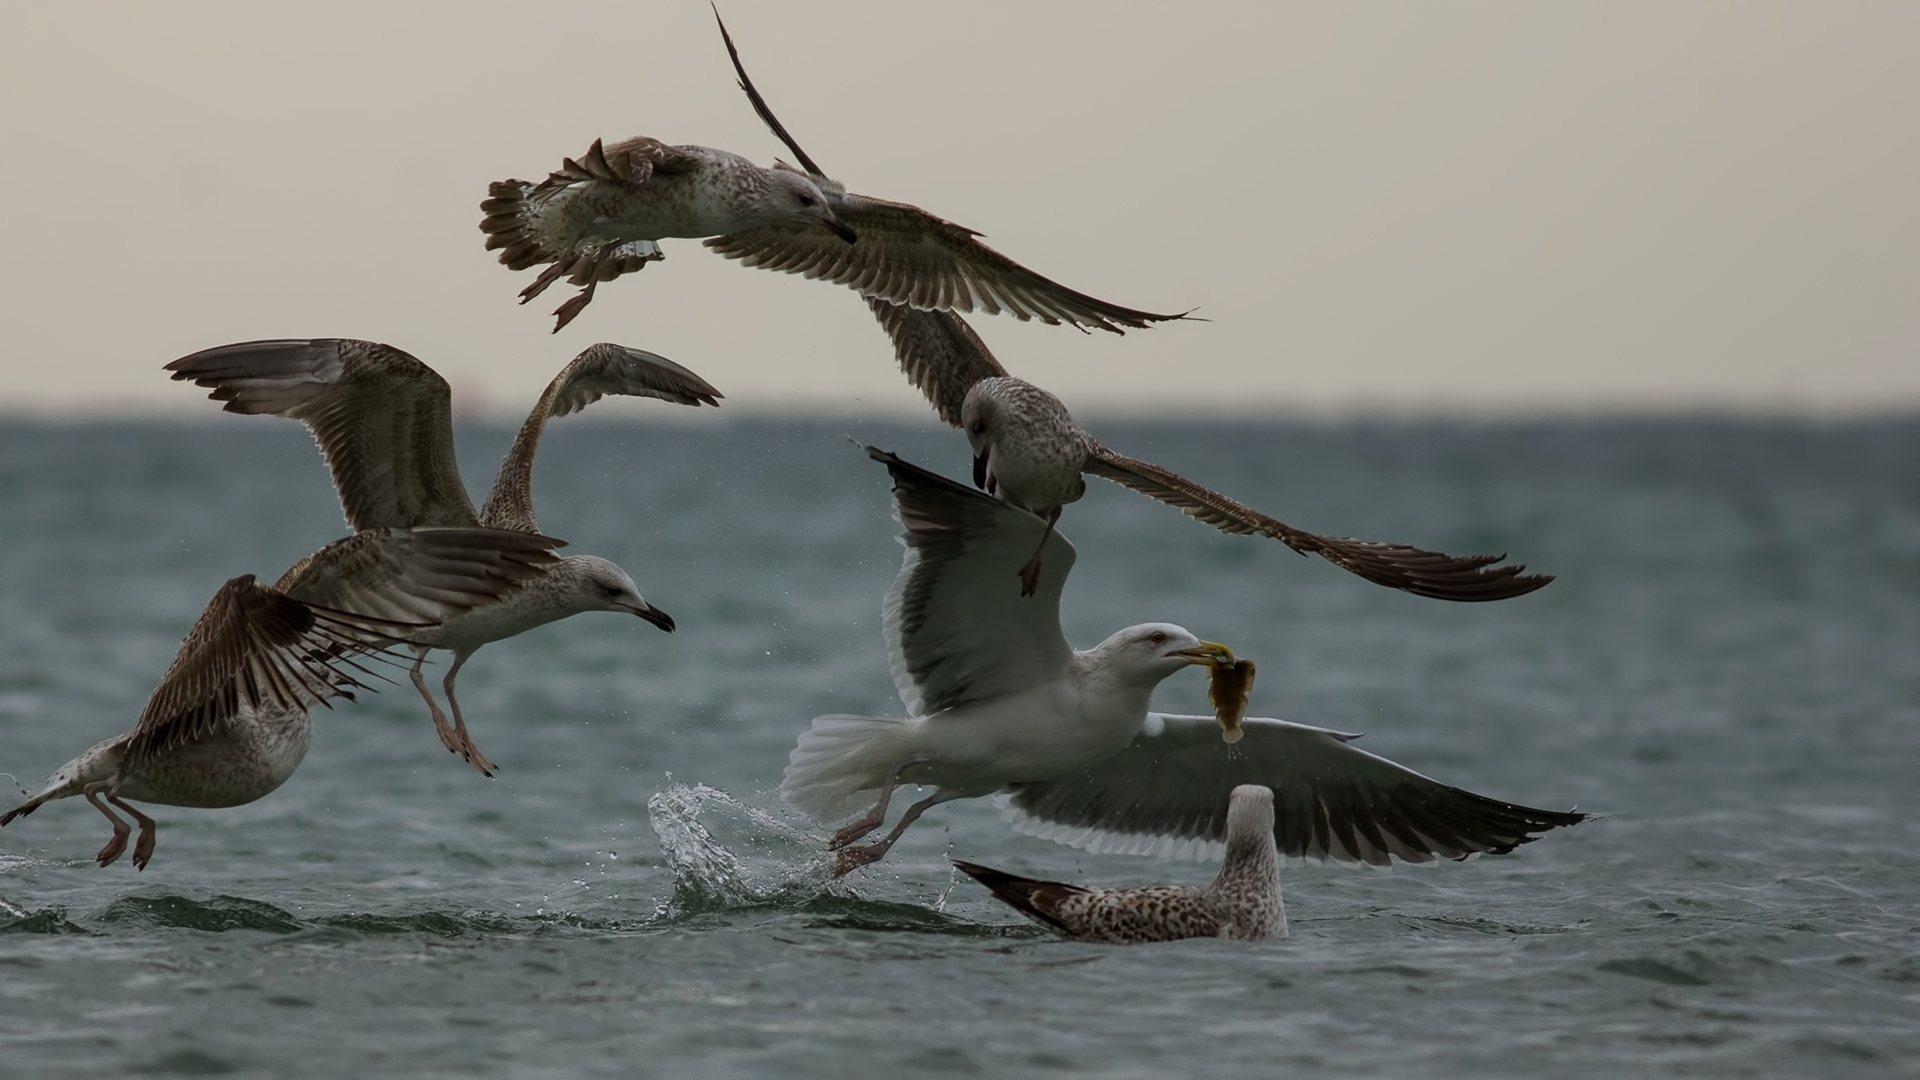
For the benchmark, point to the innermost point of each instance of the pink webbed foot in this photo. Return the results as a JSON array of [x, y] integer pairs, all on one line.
[[853, 858], [143, 848]]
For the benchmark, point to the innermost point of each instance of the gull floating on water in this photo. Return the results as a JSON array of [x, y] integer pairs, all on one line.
[[1028, 451], [1242, 903], [998, 701], [384, 423], [599, 216], [231, 718]]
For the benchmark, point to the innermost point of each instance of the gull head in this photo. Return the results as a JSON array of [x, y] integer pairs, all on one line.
[[1153, 651], [599, 585], [1026, 447], [1250, 827], [1250, 812], [792, 194], [1248, 819]]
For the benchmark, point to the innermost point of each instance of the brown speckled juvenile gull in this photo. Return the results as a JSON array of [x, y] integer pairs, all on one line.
[[1242, 903], [598, 217], [998, 701], [231, 718], [1028, 451], [384, 423]]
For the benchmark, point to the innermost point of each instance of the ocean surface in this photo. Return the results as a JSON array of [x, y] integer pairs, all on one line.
[[1728, 667]]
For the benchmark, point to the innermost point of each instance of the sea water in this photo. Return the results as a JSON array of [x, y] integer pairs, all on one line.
[[1728, 667]]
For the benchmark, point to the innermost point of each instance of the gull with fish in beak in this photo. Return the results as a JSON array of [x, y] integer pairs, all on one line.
[[998, 702]]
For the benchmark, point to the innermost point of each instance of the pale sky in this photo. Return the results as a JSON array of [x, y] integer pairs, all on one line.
[[1426, 208]]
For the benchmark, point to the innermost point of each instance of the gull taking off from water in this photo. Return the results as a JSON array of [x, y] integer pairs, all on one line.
[[231, 718], [1028, 451], [384, 423], [1242, 903], [997, 701], [598, 217]]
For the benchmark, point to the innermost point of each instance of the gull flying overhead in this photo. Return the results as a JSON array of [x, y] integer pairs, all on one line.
[[1028, 451], [384, 423], [998, 701], [1242, 903], [599, 216], [232, 716]]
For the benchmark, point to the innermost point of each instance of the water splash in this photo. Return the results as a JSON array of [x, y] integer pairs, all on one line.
[[782, 863]]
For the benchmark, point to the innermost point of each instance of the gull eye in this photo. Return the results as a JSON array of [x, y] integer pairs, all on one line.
[[1158, 638], [612, 590], [805, 199]]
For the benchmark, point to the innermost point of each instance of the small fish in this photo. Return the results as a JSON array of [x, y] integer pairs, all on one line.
[[1228, 688]]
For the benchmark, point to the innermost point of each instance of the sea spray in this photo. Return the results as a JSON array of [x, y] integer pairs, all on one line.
[[771, 862]]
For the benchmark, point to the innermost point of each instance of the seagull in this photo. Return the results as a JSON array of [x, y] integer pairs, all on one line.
[[383, 421], [998, 701], [598, 217], [1242, 903], [232, 716], [1028, 451]]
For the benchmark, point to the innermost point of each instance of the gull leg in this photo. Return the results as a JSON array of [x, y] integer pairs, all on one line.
[[871, 819], [143, 847], [440, 725], [554, 272], [1030, 573], [853, 858], [467, 750], [564, 314], [121, 830]]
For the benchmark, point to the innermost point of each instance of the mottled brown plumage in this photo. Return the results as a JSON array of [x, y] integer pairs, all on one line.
[[384, 424], [1028, 450], [599, 216], [1242, 902], [232, 717], [908, 256]]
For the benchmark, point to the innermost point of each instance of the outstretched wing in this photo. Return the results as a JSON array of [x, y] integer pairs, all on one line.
[[908, 256], [422, 576], [760, 106], [938, 351], [1167, 794], [911, 257], [1397, 566], [600, 370], [957, 628], [254, 649], [383, 420]]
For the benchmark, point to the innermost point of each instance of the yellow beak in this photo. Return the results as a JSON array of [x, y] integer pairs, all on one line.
[[1212, 654]]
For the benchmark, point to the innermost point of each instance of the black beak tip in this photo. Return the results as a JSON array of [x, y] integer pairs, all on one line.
[[658, 618], [844, 232]]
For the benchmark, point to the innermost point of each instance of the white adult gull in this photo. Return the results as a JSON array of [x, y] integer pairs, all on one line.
[[998, 701], [384, 423], [1028, 451], [598, 217], [232, 716], [1242, 903]]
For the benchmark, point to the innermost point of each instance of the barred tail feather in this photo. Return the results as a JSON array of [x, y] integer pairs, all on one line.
[[839, 758], [1037, 900], [505, 224]]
